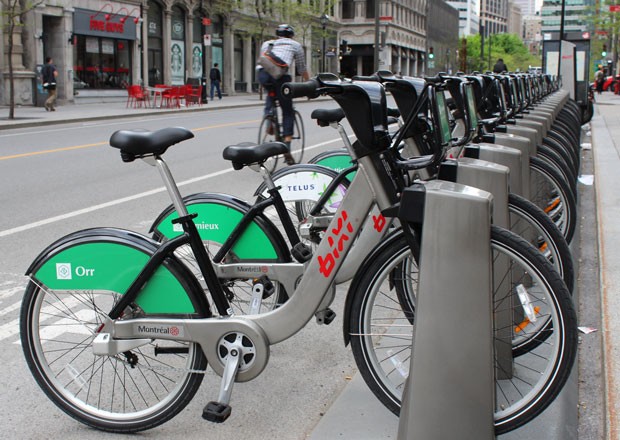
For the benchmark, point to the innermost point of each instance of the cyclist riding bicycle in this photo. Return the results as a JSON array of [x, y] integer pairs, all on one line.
[[288, 51]]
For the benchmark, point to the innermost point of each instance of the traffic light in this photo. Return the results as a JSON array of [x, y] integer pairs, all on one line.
[[431, 55], [604, 52]]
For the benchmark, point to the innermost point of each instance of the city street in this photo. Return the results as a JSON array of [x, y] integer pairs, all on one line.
[[61, 178]]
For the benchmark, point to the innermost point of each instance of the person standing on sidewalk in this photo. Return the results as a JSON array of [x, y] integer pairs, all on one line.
[[216, 78], [48, 78], [599, 79]]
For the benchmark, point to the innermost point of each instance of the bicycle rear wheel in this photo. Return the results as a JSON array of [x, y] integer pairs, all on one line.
[[268, 131], [380, 327], [298, 143], [128, 392]]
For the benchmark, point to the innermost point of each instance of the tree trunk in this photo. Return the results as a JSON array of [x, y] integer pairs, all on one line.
[[11, 83]]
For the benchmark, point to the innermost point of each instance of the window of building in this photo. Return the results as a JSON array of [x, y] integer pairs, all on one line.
[[238, 58], [348, 9], [102, 63], [370, 8], [155, 45]]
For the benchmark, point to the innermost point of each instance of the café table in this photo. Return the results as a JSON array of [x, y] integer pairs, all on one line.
[[155, 92]]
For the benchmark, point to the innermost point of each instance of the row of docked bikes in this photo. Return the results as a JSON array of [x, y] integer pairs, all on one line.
[[118, 328]]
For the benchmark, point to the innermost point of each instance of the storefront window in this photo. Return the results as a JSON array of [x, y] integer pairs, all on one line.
[[155, 59], [101, 63], [102, 49], [217, 43], [238, 58]]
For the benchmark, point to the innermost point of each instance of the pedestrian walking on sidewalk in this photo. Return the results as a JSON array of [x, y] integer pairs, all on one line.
[[48, 78], [599, 79], [216, 78]]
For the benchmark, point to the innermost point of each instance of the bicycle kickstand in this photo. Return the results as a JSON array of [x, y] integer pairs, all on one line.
[[219, 411]]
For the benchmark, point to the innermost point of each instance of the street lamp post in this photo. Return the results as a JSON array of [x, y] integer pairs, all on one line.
[[324, 20]]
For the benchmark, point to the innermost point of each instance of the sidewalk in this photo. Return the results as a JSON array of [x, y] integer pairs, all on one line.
[[580, 411], [29, 116]]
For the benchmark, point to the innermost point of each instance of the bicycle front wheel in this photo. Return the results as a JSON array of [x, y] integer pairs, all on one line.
[[381, 327], [128, 392]]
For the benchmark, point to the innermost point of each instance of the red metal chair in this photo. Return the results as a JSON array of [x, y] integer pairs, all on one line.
[[136, 96], [193, 95], [172, 98]]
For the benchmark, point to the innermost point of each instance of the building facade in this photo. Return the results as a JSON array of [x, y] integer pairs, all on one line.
[[402, 31], [575, 16], [515, 19], [494, 17], [469, 19], [443, 38], [528, 7], [100, 47], [532, 34]]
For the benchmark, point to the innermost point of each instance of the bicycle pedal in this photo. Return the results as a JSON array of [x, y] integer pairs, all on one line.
[[325, 316], [216, 412], [302, 252], [268, 287]]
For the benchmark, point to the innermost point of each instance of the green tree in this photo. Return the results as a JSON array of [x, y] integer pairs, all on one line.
[[509, 47]]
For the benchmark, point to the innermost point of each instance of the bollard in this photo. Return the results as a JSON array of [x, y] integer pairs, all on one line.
[[450, 389]]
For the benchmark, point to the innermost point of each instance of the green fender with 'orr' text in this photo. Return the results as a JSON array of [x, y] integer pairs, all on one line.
[[215, 222], [112, 267]]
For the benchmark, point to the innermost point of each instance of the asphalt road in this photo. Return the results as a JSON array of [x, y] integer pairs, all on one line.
[[63, 178]]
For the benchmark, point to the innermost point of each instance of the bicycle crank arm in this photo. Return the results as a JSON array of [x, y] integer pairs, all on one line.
[[219, 411], [210, 333]]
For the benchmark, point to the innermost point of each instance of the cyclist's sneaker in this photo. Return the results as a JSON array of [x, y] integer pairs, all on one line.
[[289, 159]]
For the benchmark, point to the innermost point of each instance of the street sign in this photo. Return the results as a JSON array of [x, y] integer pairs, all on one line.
[[614, 8], [431, 64], [207, 39], [386, 18]]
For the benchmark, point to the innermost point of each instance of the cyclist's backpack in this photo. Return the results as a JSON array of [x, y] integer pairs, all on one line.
[[272, 64]]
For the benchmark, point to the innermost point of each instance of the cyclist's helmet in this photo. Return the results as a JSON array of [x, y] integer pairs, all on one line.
[[285, 30]]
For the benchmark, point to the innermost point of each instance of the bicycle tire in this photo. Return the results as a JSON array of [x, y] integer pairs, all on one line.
[[552, 157], [269, 131], [530, 222], [383, 358], [549, 192], [298, 143], [132, 391]]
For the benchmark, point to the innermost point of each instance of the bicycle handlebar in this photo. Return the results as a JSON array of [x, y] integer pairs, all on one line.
[[303, 89]]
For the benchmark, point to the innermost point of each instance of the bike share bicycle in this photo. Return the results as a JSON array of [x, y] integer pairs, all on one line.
[[332, 116], [118, 332]]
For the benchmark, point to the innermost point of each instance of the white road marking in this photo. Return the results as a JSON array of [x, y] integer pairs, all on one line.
[[111, 203]]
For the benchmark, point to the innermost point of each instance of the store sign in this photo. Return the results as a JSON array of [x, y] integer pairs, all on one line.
[[94, 23]]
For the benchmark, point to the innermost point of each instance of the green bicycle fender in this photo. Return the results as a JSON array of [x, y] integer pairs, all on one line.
[[99, 263], [338, 163], [215, 222]]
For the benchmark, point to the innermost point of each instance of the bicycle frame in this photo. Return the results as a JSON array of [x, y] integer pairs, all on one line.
[[271, 327]]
